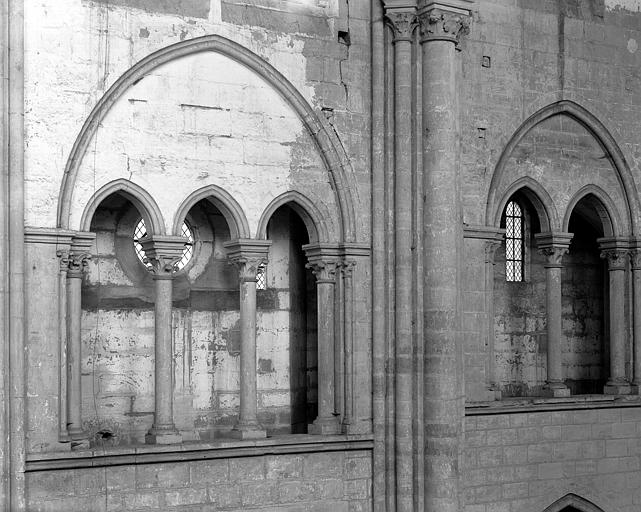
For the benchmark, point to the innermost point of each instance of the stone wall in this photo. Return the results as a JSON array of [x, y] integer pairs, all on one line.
[[527, 460], [319, 482]]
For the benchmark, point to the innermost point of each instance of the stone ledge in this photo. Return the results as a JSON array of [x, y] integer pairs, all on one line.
[[146, 454], [541, 404]]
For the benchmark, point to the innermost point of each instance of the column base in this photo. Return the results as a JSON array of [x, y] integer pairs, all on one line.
[[79, 439], [167, 435], [325, 426], [251, 431], [617, 388], [80, 444], [556, 390]]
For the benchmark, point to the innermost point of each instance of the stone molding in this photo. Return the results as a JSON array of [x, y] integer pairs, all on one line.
[[247, 255], [163, 252], [48, 236]]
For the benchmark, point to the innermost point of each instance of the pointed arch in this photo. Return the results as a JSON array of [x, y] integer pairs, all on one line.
[[597, 130], [330, 148], [308, 212], [140, 198], [221, 199], [538, 196], [603, 205], [572, 500]]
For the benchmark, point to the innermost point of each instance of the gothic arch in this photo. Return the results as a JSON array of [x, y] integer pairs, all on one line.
[[598, 131], [572, 500], [221, 199], [330, 148], [538, 196], [306, 209], [603, 205], [140, 198]]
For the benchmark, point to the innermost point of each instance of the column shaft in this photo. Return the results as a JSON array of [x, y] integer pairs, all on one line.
[[63, 433], [636, 276], [553, 305], [164, 396], [617, 325], [348, 372], [442, 240], [74, 361]]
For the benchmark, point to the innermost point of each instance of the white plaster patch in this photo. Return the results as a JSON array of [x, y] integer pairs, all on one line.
[[633, 46], [629, 5]]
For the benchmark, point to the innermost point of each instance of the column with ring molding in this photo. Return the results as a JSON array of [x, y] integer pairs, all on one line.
[[616, 252], [248, 256], [163, 252], [79, 254], [442, 24], [324, 260], [553, 246]]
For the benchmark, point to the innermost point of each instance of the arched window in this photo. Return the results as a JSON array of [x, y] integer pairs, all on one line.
[[140, 231], [514, 242]]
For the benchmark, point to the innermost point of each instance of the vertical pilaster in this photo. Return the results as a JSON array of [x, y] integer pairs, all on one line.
[[63, 258], [616, 253], [324, 261], [492, 380], [403, 22], [635, 259], [248, 255], [441, 27], [553, 246], [163, 252], [81, 246], [347, 269]]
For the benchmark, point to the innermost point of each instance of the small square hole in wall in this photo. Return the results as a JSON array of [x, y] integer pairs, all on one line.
[[486, 61], [343, 37]]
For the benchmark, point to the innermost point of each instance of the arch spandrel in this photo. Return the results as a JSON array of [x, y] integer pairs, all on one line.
[[265, 164]]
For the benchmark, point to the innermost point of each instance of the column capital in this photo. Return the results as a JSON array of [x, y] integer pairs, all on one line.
[[447, 20], [324, 260], [163, 252], [635, 253], [615, 250], [403, 21], [553, 245], [247, 255], [79, 253]]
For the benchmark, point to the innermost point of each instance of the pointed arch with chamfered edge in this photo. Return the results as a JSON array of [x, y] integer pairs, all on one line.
[[603, 205], [538, 196], [140, 198], [330, 148], [306, 209], [597, 130], [221, 199], [572, 500]]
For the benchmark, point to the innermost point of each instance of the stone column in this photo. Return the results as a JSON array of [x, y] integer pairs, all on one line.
[[616, 253], [441, 26], [63, 257], [403, 22], [553, 246], [163, 252], [80, 253], [348, 372], [248, 255], [635, 259], [324, 260]]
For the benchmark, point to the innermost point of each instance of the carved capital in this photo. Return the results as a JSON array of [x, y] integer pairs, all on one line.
[[324, 269], [617, 258], [635, 258], [63, 259], [403, 23], [347, 267], [77, 262], [247, 255], [554, 255], [163, 253], [442, 25]]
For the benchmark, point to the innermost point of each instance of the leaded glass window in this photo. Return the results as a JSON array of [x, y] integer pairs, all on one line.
[[261, 279], [514, 242]]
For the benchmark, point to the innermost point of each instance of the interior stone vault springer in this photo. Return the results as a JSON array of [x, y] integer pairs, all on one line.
[[320, 255]]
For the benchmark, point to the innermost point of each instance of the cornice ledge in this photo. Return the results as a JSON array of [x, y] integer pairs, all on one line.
[[48, 236], [553, 239], [483, 232]]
